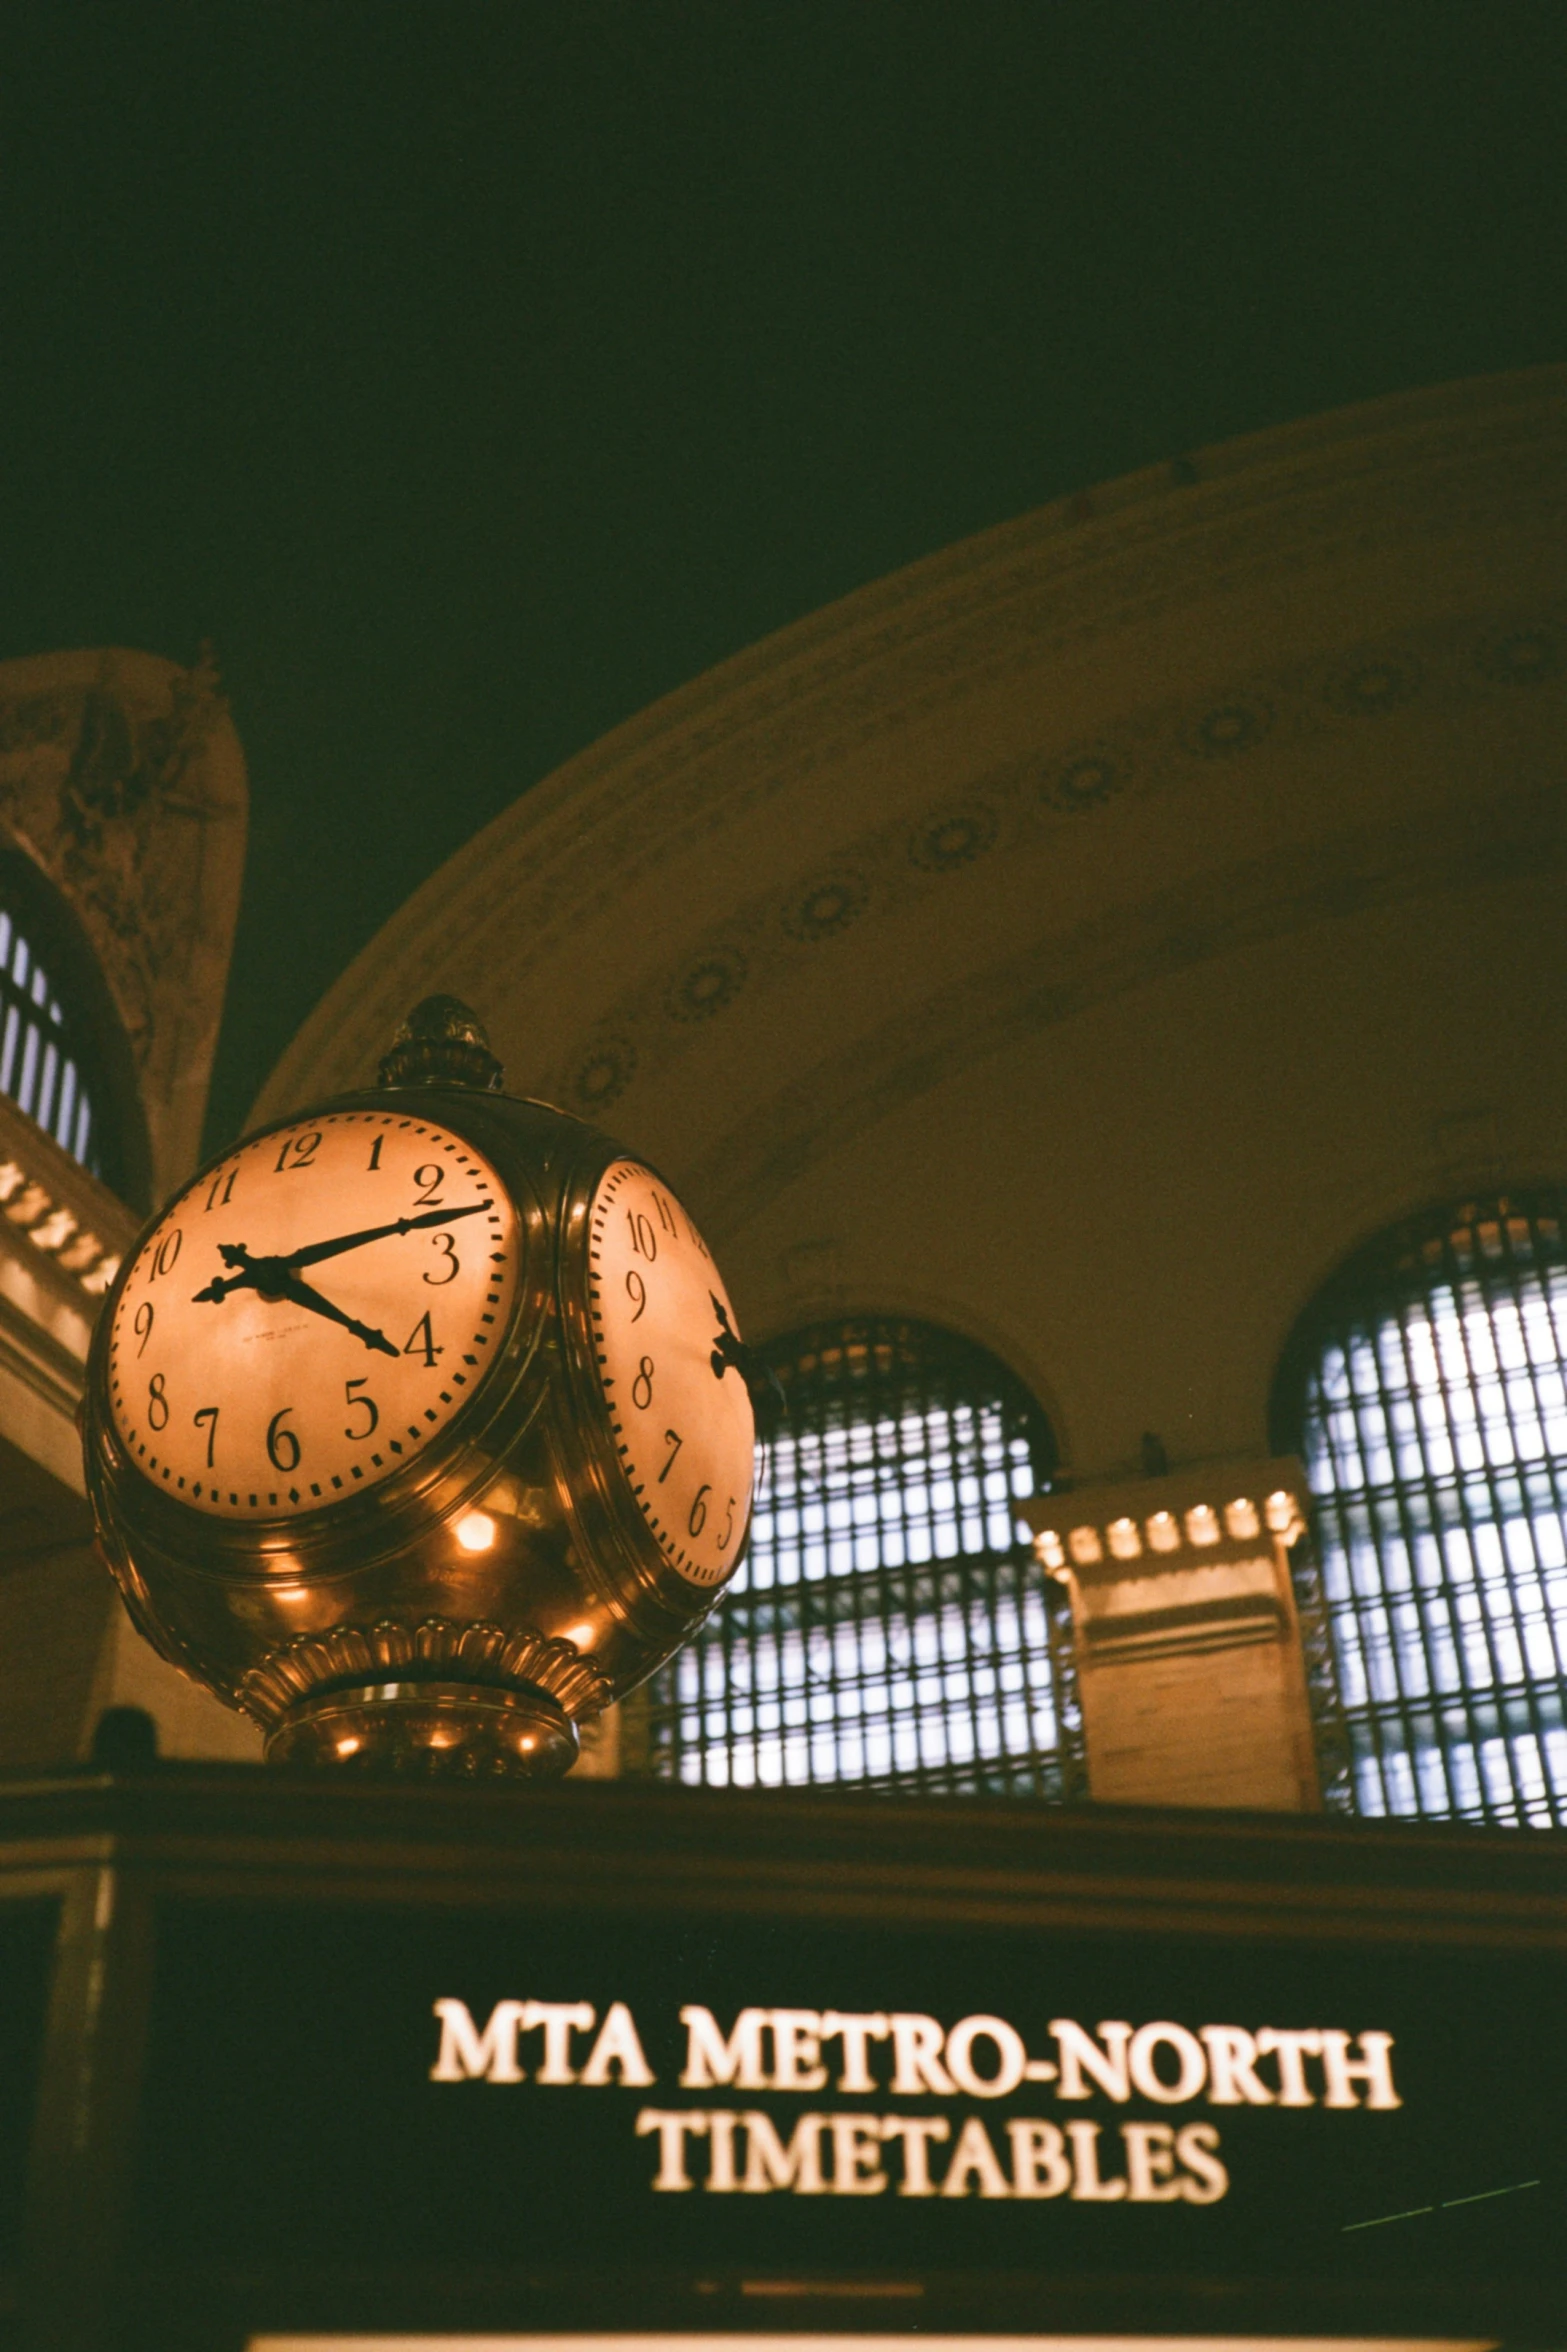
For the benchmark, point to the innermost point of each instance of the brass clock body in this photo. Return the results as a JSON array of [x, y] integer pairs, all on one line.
[[417, 1426]]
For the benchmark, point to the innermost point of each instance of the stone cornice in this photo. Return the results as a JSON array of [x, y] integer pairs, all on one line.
[[67, 1229]]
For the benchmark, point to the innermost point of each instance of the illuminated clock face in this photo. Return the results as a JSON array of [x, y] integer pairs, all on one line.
[[677, 1401], [306, 1317]]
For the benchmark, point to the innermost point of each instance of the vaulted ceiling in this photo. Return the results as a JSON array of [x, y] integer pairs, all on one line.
[[475, 376]]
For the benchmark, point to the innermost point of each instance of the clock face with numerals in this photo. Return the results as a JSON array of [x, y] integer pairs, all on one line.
[[307, 1316], [665, 1340]]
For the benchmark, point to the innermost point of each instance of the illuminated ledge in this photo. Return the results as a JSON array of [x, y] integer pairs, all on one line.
[[1192, 1561], [77, 1227], [866, 2343], [1216, 1512]]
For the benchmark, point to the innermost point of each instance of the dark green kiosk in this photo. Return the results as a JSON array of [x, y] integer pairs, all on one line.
[[286, 2055]]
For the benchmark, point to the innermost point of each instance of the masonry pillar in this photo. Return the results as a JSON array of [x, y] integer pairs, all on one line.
[[1190, 1669]]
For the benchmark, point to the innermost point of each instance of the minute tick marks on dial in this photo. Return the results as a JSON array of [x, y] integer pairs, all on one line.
[[262, 1355], [682, 1431]]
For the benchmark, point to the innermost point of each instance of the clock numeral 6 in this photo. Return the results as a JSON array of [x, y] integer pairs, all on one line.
[[642, 1386], [282, 1444], [698, 1518], [157, 1403]]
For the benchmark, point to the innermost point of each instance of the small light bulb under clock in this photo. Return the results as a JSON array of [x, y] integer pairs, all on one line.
[[475, 1531]]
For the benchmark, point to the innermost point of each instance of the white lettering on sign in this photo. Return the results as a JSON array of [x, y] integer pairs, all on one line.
[[908, 2054], [748, 2154], [467, 2055]]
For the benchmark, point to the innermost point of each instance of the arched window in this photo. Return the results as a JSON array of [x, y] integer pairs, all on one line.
[[45, 1053], [1425, 1391], [886, 1628]]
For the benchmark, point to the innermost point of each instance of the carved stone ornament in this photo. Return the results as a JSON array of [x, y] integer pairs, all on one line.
[[122, 780]]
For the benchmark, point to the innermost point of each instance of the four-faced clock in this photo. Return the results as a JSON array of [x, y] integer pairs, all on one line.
[[418, 1426]]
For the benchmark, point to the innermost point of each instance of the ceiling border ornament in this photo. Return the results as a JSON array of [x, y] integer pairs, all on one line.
[[1429, 854], [1074, 582], [1021, 807]]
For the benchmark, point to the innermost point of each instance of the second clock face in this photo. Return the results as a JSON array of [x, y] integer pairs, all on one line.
[[679, 1407], [306, 1317]]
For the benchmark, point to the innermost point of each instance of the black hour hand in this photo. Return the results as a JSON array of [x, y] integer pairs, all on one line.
[[300, 1294], [276, 1279]]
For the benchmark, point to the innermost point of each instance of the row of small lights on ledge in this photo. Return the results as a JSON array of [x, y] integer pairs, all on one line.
[[1163, 1531], [53, 1229]]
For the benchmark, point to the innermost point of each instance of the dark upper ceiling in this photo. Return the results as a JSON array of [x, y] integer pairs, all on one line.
[[473, 374]]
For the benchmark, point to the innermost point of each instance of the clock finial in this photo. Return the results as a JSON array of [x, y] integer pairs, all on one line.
[[442, 1043]]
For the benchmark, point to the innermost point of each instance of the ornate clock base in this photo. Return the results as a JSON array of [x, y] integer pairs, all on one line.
[[429, 1730]]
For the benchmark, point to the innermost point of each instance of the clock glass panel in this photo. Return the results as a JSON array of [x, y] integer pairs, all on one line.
[[310, 1313], [678, 1403]]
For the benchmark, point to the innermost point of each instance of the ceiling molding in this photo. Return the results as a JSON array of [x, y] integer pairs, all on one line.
[[1072, 605]]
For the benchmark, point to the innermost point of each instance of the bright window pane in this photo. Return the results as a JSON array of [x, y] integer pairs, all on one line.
[[886, 1628], [41, 1048], [1433, 1422]]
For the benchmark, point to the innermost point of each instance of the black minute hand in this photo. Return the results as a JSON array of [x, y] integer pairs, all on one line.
[[317, 1250], [269, 1275]]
